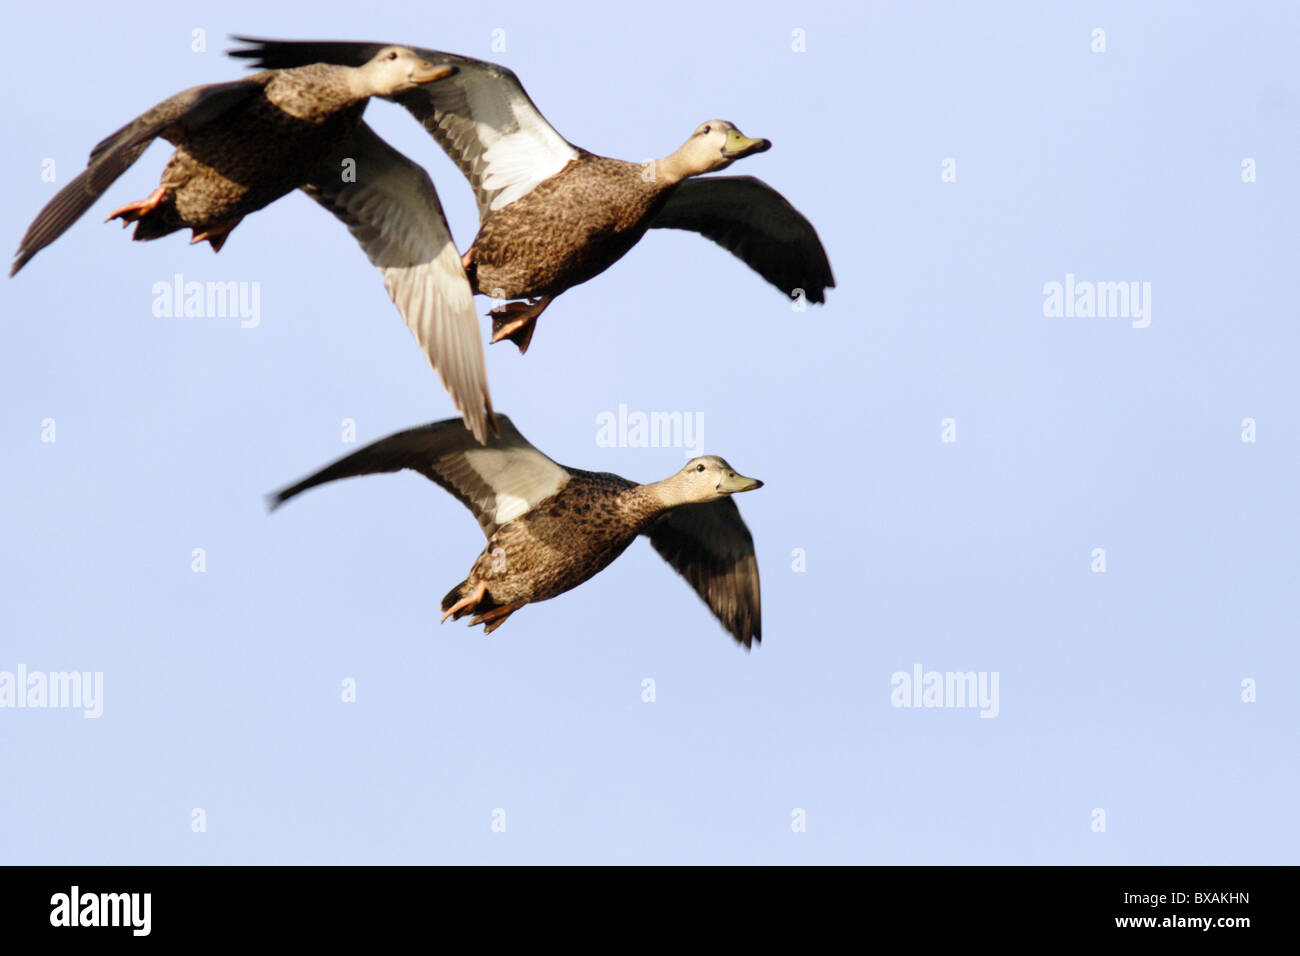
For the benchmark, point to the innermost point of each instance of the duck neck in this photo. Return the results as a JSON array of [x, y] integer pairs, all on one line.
[[358, 84], [669, 493], [671, 170], [645, 503]]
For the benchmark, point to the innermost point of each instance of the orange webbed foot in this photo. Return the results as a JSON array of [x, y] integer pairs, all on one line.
[[137, 210], [216, 234], [517, 321], [494, 618], [466, 603]]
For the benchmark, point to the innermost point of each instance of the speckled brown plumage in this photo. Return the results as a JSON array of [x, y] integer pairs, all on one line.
[[563, 542], [240, 146], [259, 152], [550, 528], [568, 229], [553, 215]]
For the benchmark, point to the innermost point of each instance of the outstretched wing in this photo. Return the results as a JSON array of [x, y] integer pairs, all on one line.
[[391, 208], [498, 481], [712, 549], [115, 154], [756, 223], [481, 117]]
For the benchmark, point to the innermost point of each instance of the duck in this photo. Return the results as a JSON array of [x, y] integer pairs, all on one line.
[[550, 528], [553, 215], [242, 145]]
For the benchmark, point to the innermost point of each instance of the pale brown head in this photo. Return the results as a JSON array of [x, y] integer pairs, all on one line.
[[714, 145], [396, 69], [706, 478]]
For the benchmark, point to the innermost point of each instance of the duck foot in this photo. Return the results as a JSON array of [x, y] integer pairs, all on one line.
[[137, 210], [494, 618], [216, 234], [466, 603], [517, 321]]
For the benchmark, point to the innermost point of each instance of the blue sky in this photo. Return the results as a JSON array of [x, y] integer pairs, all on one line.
[[1118, 691]]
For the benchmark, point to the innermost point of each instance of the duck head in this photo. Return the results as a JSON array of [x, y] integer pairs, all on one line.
[[396, 69], [706, 478], [714, 145]]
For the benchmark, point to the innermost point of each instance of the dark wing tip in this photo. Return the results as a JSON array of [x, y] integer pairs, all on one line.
[[821, 276], [747, 633], [818, 280], [826, 278], [251, 52], [272, 54]]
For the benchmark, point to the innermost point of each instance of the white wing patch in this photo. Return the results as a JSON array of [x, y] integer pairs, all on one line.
[[509, 507], [516, 161], [520, 478]]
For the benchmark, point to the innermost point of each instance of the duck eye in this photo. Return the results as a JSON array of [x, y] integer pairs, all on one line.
[[393, 55], [707, 129], [699, 467]]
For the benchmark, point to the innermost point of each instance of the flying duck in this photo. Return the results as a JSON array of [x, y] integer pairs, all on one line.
[[242, 145], [549, 528], [553, 215]]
